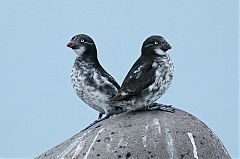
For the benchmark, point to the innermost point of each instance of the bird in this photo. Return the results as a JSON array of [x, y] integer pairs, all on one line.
[[148, 79], [89, 80]]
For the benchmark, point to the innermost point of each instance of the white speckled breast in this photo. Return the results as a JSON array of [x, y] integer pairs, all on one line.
[[163, 75], [89, 86]]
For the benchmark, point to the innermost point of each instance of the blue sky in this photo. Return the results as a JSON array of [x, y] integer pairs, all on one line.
[[39, 108]]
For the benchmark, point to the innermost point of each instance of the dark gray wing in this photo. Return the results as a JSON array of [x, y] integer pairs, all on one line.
[[140, 76], [107, 75]]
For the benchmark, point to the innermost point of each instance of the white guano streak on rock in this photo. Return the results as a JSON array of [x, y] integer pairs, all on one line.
[[147, 127], [108, 147], [89, 149], [157, 124], [144, 138], [62, 155], [193, 144], [169, 140], [78, 150]]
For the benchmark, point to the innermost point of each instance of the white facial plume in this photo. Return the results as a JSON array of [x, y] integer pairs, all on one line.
[[160, 51], [80, 51]]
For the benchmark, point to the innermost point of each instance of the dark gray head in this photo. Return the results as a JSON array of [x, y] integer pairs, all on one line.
[[83, 45], [155, 45]]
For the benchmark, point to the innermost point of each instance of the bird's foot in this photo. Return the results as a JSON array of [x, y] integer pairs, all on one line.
[[162, 107], [100, 115], [119, 110], [96, 121]]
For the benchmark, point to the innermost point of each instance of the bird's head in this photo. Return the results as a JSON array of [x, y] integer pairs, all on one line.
[[83, 45], [155, 45]]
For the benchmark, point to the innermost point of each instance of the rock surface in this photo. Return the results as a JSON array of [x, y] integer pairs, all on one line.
[[143, 135]]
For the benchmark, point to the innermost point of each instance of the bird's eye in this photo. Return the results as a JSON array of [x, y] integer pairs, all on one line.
[[155, 42], [82, 40]]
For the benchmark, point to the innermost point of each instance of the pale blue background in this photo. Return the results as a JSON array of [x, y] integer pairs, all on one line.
[[38, 106]]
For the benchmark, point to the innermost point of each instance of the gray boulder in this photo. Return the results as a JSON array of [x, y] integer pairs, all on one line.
[[143, 135]]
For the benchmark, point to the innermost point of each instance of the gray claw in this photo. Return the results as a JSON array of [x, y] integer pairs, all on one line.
[[162, 107]]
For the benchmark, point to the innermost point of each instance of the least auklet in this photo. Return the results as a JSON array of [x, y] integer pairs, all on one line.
[[148, 79], [90, 81]]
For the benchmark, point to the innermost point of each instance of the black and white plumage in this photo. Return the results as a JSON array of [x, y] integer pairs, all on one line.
[[90, 81], [149, 77]]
